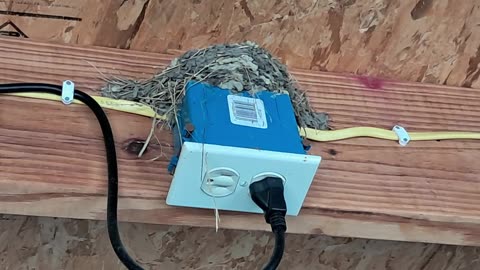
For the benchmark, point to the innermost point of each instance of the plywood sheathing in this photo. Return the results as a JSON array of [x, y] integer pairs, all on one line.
[[47, 243], [415, 40], [428, 41]]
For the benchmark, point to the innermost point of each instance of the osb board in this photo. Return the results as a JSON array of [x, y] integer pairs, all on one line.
[[52, 157], [415, 40], [108, 23], [46, 243]]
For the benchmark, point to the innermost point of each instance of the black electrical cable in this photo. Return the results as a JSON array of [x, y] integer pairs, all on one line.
[[112, 197], [268, 195], [278, 250]]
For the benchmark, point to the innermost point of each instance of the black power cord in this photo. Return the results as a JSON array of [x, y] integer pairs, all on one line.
[[112, 197], [268, 195]]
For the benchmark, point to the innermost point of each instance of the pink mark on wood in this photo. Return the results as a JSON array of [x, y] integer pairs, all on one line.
[[370, 82]]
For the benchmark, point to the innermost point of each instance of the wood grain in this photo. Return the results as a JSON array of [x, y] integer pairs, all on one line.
[[52, 158]]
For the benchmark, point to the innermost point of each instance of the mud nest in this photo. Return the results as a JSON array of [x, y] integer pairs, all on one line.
[[238, 67]]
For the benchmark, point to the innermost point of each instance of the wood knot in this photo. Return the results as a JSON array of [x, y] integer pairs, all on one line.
[[134, 146]]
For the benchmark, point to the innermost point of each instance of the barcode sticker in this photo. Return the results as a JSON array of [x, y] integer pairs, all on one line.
[[247, 111]]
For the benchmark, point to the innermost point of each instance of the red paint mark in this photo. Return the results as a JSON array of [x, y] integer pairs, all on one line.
[[372, 83]]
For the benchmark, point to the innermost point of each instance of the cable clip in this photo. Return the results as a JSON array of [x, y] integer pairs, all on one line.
[[68, 89], [403, 137]]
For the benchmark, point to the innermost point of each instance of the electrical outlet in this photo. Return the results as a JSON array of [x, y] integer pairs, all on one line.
[[214, 176]]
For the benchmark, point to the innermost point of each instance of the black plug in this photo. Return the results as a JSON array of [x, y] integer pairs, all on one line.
[[268, 195]]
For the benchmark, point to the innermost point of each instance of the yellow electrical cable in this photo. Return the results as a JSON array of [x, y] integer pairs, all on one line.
[[309, 133], [347, 133], [107, 103]]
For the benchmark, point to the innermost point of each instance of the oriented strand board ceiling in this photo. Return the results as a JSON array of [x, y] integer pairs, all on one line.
[[416, 40]]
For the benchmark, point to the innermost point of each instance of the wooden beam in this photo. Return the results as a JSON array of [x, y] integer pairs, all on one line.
[[52, 158]]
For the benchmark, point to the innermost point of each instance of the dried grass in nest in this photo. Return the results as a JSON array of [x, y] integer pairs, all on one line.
[[238, 67]]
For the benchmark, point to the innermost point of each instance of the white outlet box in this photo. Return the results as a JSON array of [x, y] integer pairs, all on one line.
[[209, 176]]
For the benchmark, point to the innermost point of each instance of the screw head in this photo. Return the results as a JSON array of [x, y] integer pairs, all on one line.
[[189, 127]]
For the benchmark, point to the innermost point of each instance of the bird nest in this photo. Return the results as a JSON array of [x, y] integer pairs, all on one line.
[[237, 67]]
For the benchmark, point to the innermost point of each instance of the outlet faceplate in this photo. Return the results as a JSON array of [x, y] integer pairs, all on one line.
[[209, 176]]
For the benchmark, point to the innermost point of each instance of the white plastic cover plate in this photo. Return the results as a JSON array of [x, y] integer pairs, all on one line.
[[233, 169]]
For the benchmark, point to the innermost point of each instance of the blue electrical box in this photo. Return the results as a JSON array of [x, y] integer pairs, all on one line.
[[263, 120]]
